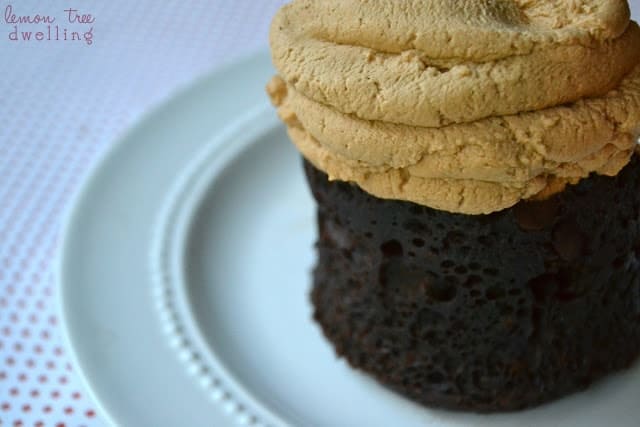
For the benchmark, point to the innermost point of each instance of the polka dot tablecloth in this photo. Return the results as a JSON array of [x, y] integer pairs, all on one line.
[[62, 102], [75, 75]]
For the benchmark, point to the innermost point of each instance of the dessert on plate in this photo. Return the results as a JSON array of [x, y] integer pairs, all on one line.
[[478, 189]]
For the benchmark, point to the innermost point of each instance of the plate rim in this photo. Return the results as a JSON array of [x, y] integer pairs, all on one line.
[[173, 227], [72, 211]]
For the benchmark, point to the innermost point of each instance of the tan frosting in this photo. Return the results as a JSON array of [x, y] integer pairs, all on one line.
[[456, 104], [437, 62]]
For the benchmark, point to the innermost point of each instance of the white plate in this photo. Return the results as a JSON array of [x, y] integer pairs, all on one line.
[[184, 277]]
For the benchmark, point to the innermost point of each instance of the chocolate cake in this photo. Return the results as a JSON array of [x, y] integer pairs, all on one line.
[[486, 313], [475, 170]]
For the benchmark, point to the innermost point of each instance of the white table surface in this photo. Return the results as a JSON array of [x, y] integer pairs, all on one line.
[[61, 104]]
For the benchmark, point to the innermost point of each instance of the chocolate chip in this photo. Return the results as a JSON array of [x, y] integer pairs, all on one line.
[[568, 241], [443, 290], [391, 248], [536, 215], [543, 286]]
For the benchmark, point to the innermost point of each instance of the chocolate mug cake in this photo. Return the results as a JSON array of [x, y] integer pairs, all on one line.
[[478, 191]]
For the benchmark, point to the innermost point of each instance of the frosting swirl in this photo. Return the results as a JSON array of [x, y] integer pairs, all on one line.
[[467, 106]]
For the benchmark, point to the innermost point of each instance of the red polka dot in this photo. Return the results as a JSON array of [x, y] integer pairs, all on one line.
[[55, 394], [60, 425], [51, 365], [5, 406], [42, 379], [76, 395], [37, 349], [3, 302], [14, 317], [68, 410], [10, 361], [33, 318], [57, 351], [30, 363], [17, 347], [63, 380], [35, 393], [28, 290], [17, 423], [45, 335], [39, 424], [22, 377], [3, 375], [46, 409], [11, 290], [26, 408], [21, 303], [25, 333], [40, 305], [6, 331], [90, 413], [53, 321], [14, 391]]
